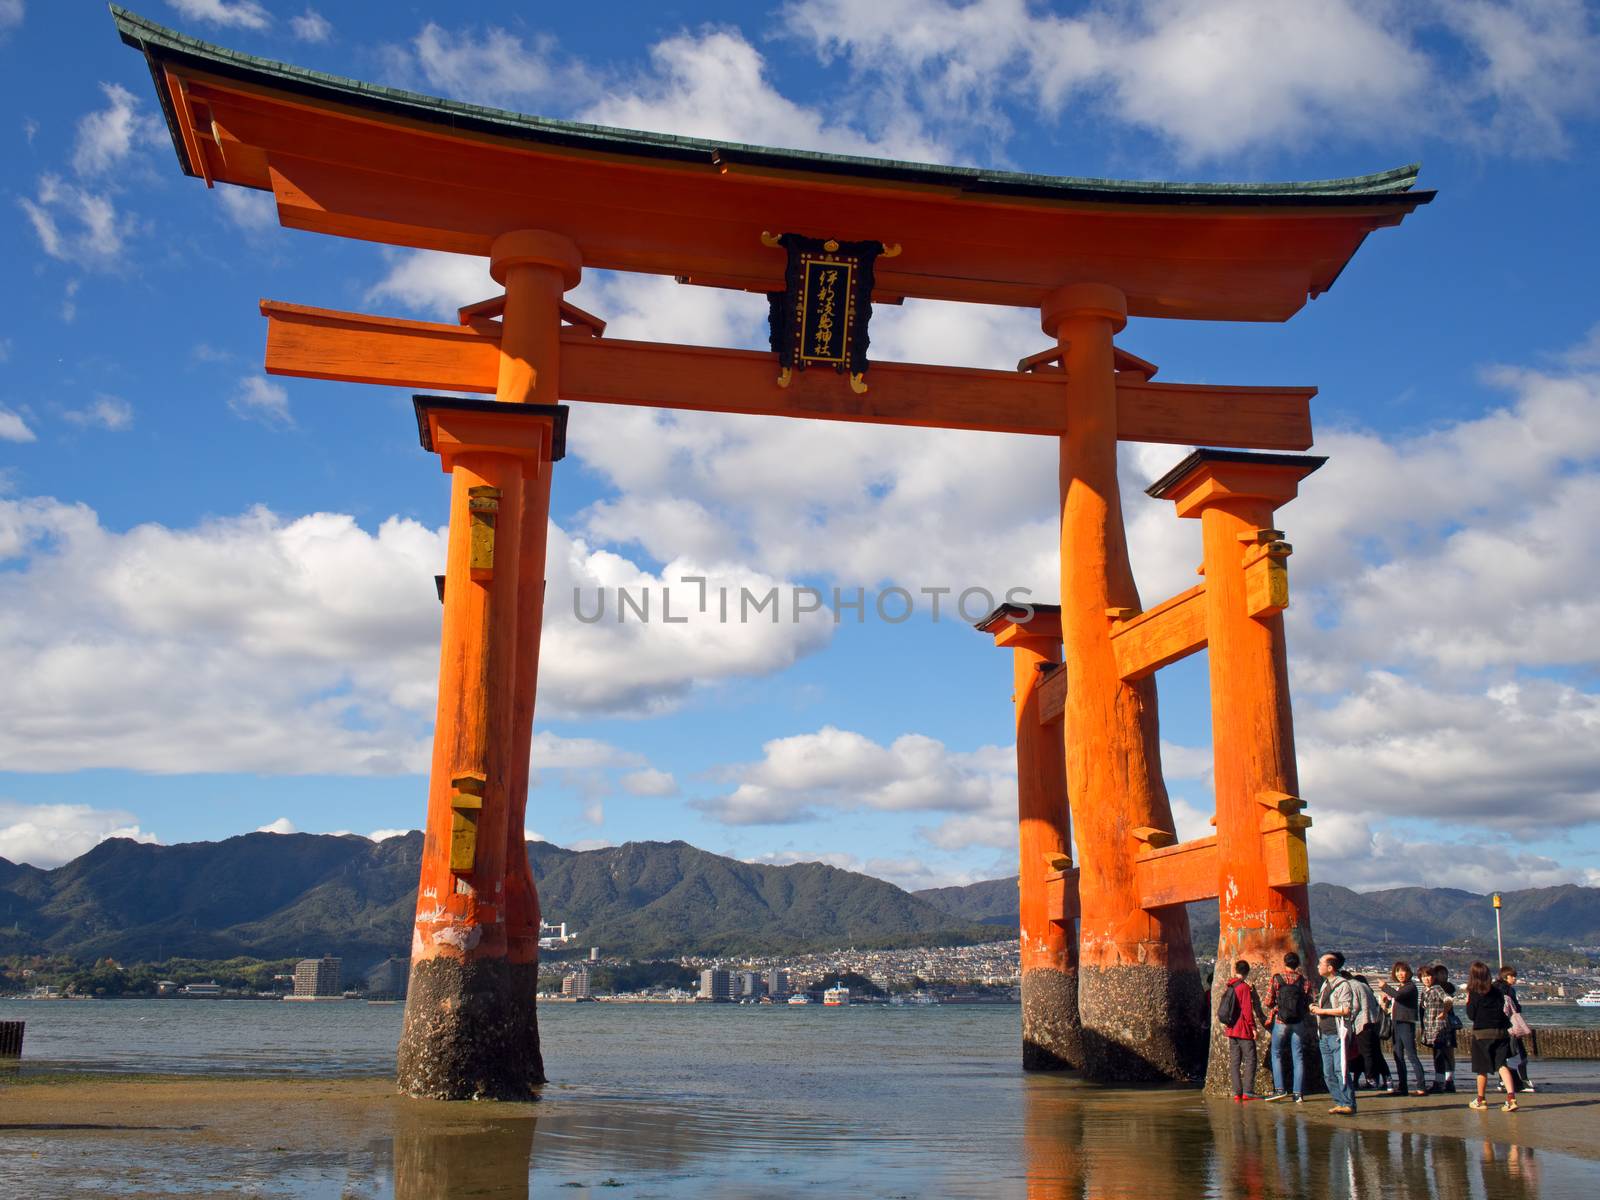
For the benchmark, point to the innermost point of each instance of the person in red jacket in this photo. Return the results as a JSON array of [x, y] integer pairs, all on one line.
[[1242, 1033]]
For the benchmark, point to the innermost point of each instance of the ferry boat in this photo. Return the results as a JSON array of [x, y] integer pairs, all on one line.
[[836, 997], [1590, 999], [800, 998]]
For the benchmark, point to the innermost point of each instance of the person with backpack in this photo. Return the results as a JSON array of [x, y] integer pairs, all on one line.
[[1438, 1026], [1238, 1010], [1288, 1006], [1336, 1010], [1404, 1000]]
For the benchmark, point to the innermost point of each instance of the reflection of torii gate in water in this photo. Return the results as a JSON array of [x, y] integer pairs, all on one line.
[[543, 199]]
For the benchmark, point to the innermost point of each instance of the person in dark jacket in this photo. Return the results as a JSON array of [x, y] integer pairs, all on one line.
[[1491, 1035], [1438, 1025], [1519, 1046], [1404, 1001], [1242, 1034]]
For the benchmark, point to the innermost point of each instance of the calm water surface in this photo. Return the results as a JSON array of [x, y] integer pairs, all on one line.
[[725, 1102]]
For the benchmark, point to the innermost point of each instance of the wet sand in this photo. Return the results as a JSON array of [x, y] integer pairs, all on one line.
[[146, 1136]]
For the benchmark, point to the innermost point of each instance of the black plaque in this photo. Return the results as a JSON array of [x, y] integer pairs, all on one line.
[[820, 318]]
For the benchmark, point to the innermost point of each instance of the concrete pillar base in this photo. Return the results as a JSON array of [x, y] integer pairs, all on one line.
[[471, 1031], [1052, 1038], [1142, 1023]]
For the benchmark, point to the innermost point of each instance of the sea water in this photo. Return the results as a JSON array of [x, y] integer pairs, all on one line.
[[731, 1101]]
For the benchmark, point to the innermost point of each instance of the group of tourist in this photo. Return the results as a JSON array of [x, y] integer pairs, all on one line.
[[1352, 1019]]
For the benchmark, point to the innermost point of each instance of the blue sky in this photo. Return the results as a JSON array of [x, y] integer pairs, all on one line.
[[216, 604]]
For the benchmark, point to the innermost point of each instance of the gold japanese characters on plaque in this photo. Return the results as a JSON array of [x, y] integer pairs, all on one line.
[[820, 317]]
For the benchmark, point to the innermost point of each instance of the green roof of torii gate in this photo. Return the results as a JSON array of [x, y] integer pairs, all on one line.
[[160, 44]]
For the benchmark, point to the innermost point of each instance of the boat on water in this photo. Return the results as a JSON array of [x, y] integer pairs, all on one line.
[[1590, 999], [836, 997], [800, 998]]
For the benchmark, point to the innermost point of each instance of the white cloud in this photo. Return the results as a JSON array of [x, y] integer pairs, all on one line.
[[711, 83], [243, 644], [554, 752], [11, 14], [1515, 756], [13, 428], [47, 835], [714, 85], [492, 67], [106, 412], [311, 26], [1534, 70], [281, 825], [635, 667], [240, 14], [432, 283], [383, 835], [76, 225], [835, 768], [649, 782], [1352, 852], [249, 209], [1215, 78], [259, 399], [257, 643], [912, 874], [106, 138]]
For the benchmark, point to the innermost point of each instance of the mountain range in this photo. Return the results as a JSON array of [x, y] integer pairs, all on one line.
[[1556, 917], [268, 895]]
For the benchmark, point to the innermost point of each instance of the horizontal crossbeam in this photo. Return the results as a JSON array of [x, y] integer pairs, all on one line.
[[1052, 693], [325, 344], [1189, 871], [1160, 636], [1177, 874]]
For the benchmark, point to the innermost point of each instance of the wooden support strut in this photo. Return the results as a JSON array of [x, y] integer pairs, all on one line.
[[1174, 629], [352, 347]]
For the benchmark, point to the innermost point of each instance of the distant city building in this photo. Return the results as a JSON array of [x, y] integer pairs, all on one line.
[[554, 937], [594, 953], [752, 985], [387, 980], [317, 976], [577, 984], [166, 987], [777, 982], [715, 985]]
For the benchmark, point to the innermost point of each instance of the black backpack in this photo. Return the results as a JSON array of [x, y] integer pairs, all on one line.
[[1228, 1006], [1291, 1000]]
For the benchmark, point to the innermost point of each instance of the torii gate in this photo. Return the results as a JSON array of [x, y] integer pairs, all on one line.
[[541, 200]]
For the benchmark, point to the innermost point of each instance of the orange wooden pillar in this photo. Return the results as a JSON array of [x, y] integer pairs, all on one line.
[[1052, 1038], [1139, 993], [1261, 838], [535, 268], [471, 1025]]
